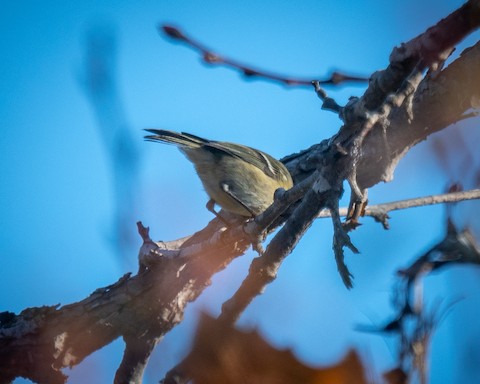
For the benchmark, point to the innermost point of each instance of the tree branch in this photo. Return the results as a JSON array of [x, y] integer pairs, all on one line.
[[210, 57], [264, 269], [135, 359], [380, 211], [38, 342], [100, 85]]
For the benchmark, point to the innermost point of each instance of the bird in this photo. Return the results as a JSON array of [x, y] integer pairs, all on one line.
[[240, 179]]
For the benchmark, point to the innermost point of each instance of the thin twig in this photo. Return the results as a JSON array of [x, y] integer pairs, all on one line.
[[213, 58], [329, 104], [340, 241], [380, 211]]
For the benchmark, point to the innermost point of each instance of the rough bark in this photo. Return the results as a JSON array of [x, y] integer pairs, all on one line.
[[38, 342]]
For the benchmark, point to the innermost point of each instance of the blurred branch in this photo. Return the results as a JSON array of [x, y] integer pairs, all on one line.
[[210, 57], [99, 82], [413, 325]]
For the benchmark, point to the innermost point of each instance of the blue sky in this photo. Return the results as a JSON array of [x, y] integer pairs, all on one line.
[[56, 185]]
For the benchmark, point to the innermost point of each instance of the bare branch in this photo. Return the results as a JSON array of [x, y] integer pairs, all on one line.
[[329, 104], [210, 57], [431, 48], [135, 359], [38, 342], [380, 211], [263, 270], [100, 85]]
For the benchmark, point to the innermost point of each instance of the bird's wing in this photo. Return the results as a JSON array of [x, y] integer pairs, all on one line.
[[259, 159]]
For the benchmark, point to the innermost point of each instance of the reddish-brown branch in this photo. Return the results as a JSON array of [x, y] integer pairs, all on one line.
[[213, 58]]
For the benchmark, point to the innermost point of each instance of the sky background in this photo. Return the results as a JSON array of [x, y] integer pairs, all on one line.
[[57, 189]]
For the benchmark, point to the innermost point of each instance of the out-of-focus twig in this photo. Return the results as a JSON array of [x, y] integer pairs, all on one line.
[[412, 323], [99, 83], [211, 57]]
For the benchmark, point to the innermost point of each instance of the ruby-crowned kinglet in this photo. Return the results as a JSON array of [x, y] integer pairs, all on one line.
[[238, 178]]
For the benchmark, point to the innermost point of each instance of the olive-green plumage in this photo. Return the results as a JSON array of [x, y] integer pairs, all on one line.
[[240, 179]]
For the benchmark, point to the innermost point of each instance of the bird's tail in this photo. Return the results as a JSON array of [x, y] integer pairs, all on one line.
[[179, 138]]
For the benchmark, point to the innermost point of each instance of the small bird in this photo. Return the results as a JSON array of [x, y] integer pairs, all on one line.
[[240, 179]]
